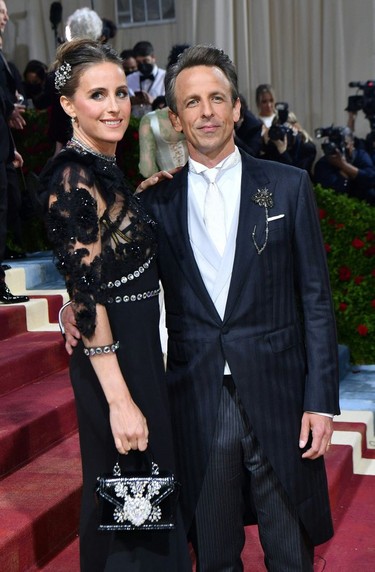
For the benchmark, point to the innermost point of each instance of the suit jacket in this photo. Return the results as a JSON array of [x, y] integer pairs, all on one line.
[[278, 333]]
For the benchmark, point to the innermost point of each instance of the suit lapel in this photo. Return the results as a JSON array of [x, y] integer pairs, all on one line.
[[173, 213], [254, 177]]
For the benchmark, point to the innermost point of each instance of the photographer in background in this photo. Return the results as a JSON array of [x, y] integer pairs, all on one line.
[[365, 103], [286, 142], [343, 167]]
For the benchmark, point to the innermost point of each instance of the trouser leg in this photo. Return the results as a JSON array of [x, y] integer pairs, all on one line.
[[3, 208], [218, 532], [284, 541], [14, 204], [235, 461]]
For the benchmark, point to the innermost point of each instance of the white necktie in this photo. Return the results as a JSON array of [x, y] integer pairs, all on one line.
[[214, 211]]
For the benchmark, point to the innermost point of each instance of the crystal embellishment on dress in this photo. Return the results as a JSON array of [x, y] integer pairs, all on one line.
[[134, 297], [124, 279], [262, 198]]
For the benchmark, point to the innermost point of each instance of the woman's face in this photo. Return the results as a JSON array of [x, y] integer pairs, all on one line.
[[266, 104], [100, 106]]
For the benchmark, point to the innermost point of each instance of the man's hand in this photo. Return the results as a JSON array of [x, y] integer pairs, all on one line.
[[72, 333], [321, 427], [156, 178], [18, 160], [141, 98], [16, 121]]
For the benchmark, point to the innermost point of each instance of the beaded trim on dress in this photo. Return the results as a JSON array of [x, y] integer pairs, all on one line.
[[77, 145]]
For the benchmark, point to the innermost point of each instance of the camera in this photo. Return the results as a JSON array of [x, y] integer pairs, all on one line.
[[279, 129], [365, 102], [335, 139]]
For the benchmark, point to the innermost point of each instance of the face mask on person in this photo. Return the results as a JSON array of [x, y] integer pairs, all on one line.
[[145, 68]]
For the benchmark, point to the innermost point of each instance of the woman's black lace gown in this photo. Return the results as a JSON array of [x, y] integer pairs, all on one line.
[[124, 278]]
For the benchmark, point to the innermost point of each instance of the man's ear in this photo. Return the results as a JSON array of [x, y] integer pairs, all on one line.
[[175, 120], [67, 106], [236, 110]]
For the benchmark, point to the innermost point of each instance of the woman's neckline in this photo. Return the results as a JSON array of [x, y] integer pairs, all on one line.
[[78, 145]]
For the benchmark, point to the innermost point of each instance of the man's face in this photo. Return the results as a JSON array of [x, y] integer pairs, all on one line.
[[205, 113], [3, 16]]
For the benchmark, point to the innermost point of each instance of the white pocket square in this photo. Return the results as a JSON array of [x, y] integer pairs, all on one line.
[[275, 217]]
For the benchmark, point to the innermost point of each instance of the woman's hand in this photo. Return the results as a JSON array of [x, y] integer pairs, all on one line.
[[156, 178], [128, 425]]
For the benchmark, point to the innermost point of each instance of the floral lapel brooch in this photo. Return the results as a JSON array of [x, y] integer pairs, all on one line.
[[262, 198]]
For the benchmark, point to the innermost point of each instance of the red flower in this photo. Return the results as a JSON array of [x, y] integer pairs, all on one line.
[[332, 222], [373, 273], [369, 252], [322, 214], [358, 243], [327, 247], [340, 225], [370, 236], [358, 279], [362, 329], [135, 135], [373, 303], [343, 306], [344, 273]]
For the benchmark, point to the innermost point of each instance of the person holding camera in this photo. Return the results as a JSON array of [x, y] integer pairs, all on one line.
[[265, 100], [286, 142], [345, 168]]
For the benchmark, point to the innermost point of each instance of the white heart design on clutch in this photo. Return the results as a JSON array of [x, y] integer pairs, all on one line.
[[137, 510]]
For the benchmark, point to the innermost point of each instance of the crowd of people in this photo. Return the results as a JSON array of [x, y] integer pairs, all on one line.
[[243, 411]]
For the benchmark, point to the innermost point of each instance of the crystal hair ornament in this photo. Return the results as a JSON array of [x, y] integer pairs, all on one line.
[[263, 198], [62, 75]]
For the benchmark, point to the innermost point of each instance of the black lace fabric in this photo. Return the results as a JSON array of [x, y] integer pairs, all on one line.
[[98, 229]]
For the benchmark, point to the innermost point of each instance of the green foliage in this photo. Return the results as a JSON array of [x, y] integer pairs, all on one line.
[[348, 228], [32, 142]]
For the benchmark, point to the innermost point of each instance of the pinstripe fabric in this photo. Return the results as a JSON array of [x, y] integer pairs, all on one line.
[[278, 334], [218, 532]]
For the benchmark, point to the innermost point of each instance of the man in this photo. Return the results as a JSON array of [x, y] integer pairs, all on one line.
[[9, 115], [148, 81], [13, 114], [347, 170], [7, 154], [252, 364]]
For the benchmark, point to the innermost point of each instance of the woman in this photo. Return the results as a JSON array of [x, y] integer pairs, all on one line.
[[106, 249], [265, 100], [161, 147]]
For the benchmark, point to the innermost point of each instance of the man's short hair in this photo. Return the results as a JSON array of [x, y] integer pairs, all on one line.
[[143, 49], [200, 55]]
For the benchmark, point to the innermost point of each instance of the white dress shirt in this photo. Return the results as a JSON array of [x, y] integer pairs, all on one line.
[[153, 87]]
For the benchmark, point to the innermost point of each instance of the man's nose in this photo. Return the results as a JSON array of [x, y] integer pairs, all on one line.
[[206, 108]]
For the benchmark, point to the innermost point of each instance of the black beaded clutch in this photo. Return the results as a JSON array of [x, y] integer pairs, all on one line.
[[142, 500]]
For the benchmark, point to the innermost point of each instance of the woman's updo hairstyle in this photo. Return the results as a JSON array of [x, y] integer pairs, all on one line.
[[74, 57]]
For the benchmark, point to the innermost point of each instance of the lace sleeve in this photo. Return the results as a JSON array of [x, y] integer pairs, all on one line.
[[73, 228]]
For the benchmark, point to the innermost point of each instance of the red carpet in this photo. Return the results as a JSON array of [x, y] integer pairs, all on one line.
[[40, 473]]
